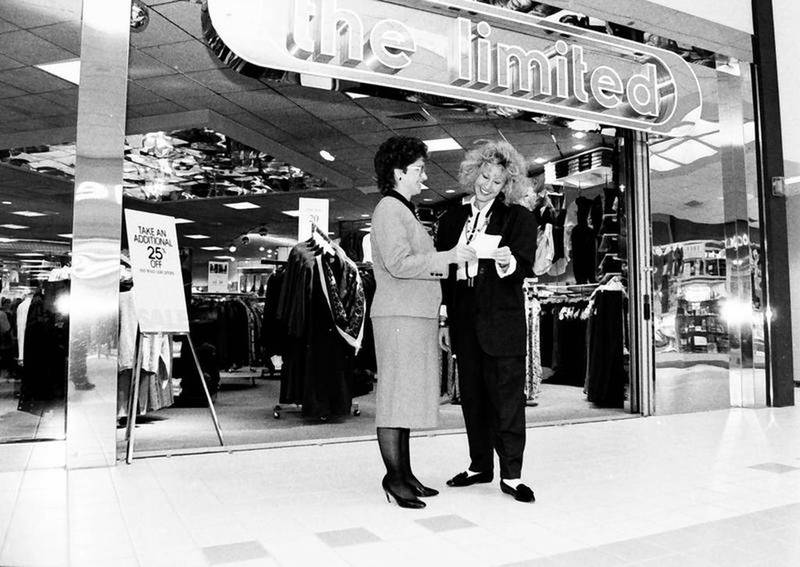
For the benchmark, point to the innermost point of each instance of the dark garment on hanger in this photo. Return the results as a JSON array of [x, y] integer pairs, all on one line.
[[583, 241], [558, 234], [273, 330], [546, 335], [596, 215], [44, 375], [569, 357], [605, 376]]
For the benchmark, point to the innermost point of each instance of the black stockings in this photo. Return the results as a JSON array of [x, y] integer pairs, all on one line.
[[393, 444]]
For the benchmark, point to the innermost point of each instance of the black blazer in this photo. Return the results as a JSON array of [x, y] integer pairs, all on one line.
[[499, 305]]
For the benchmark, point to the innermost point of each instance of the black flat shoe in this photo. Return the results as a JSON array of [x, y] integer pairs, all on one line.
[[521, 493], [402, 502], [466, 479], [423, 491]]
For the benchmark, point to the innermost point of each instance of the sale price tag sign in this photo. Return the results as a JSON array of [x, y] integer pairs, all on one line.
[[157, 281]]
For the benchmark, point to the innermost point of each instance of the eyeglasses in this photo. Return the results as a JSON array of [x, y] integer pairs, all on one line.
[[421, 168]]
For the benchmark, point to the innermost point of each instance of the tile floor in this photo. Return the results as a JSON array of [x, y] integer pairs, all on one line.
[[708, 489]]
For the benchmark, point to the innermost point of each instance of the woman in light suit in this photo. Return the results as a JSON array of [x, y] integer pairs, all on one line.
[[405, 314]]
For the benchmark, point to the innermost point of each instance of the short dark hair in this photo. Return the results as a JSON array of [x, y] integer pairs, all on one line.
[[398, 152]]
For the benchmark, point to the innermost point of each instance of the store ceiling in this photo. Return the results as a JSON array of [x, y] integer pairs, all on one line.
[[172, 77]]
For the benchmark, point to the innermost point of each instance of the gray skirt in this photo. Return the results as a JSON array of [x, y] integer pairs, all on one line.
[[409, 369]]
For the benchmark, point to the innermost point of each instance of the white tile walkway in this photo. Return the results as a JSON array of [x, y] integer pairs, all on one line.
[[715, 488]]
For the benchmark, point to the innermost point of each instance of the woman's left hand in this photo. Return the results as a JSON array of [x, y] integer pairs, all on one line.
[[503, 256]]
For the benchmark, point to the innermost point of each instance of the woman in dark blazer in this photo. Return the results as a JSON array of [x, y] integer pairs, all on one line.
[[485, 309], [404, 314]]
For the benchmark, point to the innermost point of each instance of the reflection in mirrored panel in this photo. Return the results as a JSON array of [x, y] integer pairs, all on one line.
[[708, 313]]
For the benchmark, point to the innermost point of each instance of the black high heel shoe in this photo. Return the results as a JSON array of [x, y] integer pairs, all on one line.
[[402, 502], [421, 490]]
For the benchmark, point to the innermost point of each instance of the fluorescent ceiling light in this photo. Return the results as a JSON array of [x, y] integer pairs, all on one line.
[[356, 95], [224, 257], [326, 155], [13, 226], [211, 248], [540, 160], [5, 240], [427, 200], [579, 135], [69, 70], [30, 254], [242, 205], [450, 191], [579, 147], [295, 214], [28, 214], [183, 221], [197, 236], [366, 216], [442, 145], [6, 202], [66, 235]]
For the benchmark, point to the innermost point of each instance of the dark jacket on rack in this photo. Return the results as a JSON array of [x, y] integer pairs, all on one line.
[[499, 302]]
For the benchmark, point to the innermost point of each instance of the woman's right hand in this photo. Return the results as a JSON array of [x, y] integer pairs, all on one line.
[[463, 253]]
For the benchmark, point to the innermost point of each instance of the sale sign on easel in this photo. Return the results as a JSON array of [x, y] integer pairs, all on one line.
[[156, 265]]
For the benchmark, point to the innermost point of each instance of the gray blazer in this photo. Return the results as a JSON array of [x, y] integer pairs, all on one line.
[[406, 265]]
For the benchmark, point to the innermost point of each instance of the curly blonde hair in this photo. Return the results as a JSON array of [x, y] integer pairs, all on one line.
[[496, 153]]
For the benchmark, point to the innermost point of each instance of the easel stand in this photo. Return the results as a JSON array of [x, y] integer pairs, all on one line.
[[133, 398]]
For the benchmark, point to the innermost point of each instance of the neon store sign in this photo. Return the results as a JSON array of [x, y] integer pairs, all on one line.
[[468, 51]]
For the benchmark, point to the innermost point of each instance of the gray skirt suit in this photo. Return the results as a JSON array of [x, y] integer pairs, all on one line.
[[404, 315]]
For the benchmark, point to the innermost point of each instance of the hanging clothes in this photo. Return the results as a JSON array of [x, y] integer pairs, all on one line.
[[544, 250], [322, 304], [583, 243], [605, 375], [533, 366]]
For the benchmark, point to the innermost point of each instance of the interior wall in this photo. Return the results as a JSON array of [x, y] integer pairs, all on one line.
[[793, 212], [786, 14]]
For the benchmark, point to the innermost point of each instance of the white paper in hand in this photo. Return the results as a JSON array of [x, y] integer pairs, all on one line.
[[486, 244]]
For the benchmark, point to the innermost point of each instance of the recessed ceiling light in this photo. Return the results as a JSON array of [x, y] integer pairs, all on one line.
[[540, 160], [197, 236], [5, 240], [69, 70], [442, 145], [66, 235], [427, 200], [13, 226], [579, 146], [261, 248], [211, 248], [29, 254], [183, 221], [356, 95], [366, 216], [242, 205], [450, 191], [28, 214], [6, 202], [231, 248], [295, 213], [579, 135], [327, 156]]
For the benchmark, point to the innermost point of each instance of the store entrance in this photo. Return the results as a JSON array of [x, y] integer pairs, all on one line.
[[237, 205]]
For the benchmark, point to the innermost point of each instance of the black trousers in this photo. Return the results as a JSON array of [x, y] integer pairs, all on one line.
[[493, 404]]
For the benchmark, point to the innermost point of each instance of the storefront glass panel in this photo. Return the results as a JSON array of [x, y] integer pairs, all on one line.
[[40, 52], [708, 316]]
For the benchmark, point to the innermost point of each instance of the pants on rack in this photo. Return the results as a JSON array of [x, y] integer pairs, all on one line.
[[493, 404]]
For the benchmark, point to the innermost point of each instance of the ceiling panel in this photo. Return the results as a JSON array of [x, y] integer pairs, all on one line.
[[172, 87], [185, 56], [6, 26], [153, 109], [263, 127], [262, 102], [66, 35], [35, 105], [184, 15], [141, 66], [7, 91], [67, 98], [211, 101], [159, 31], [9, 63], [140, 95], [358, 125], [34, 13], [225, 80], [31, 49], [33, 80]]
